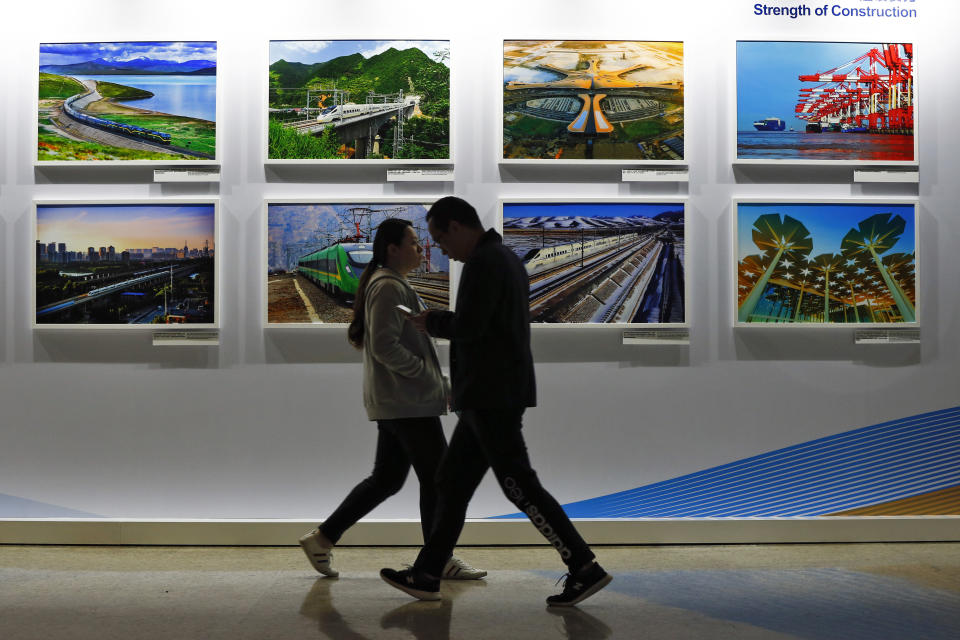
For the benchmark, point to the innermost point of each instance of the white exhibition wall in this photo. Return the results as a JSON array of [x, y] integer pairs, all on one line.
[[269, 424]]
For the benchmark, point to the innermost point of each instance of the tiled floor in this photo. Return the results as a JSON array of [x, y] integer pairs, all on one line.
[[830, 592]]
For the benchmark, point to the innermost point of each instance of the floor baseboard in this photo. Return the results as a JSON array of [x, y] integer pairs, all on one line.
[[484, 532]]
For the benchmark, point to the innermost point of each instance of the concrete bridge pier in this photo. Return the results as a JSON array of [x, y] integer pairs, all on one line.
[[365, 134]]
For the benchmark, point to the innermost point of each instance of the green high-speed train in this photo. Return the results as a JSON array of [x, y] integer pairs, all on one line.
[[337, 268]]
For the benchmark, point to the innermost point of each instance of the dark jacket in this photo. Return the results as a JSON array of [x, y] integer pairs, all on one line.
[[491, 366]]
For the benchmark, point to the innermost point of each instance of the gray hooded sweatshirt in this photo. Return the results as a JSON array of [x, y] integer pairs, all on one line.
[[401, 370]]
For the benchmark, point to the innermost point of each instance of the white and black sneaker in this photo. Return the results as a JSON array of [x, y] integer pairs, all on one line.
[[457, 569], [580, 586], [414, 582], [319, 552]]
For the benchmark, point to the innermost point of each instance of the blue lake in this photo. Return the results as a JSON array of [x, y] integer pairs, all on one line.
[[192, 96]]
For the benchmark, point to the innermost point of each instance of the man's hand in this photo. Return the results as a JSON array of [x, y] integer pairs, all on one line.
[[420, 321]]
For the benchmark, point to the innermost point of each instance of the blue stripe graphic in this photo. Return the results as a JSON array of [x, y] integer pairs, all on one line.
[[858, 468]]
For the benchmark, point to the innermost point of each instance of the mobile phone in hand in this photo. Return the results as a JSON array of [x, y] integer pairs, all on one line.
[[405, 310]]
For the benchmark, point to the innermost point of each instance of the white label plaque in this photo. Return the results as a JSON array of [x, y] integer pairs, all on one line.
[[181, 338], [656, 336], [187, 175], [419, 175], [655, 175], [908, 175], [887, 336]]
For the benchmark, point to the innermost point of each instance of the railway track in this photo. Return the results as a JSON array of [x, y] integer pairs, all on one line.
[[555, 285], [630, 297], [431, 290], [75, 129]]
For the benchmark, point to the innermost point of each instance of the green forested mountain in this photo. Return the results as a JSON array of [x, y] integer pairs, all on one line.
[[425, 135], [297, 74], [386, 72]]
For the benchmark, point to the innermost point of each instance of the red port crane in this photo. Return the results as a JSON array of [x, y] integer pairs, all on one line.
[[874, 91]]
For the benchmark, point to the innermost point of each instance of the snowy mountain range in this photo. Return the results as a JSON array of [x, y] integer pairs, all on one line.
[[588, 223], [136, 66]]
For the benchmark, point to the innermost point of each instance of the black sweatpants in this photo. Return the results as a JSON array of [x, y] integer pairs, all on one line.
[[492, 438], [401, 443]]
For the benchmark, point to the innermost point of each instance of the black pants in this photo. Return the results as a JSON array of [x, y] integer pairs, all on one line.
[[401, 443], [493, 439]]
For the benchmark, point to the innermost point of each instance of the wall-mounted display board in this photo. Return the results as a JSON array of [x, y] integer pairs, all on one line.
[[316, 251], [127, 103], [371, 100], [139, 264], [601, 261], [819, 262], [613, 101], [826, 103]]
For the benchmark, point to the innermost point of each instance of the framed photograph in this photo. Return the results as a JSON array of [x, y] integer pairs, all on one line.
[[316, 251], [826, 103], [132, 264], [825, 262], [102, 103], [593, 101], [372, 101], [601, 261]]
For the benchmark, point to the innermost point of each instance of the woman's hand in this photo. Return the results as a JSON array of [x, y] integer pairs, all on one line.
[[420, 321]]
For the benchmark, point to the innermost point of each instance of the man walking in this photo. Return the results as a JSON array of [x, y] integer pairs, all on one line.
[[491, 367]]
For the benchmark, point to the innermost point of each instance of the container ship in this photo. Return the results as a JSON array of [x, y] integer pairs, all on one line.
[[770, 124]]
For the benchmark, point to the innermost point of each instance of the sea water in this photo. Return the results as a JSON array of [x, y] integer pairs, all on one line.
[[798, 145], [183, 95]]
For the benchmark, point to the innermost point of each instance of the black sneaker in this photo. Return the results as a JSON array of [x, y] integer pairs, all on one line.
[[580, 586], [414, 582]]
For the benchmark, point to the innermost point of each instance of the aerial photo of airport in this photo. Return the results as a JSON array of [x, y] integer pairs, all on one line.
[[359, 100], [593, 100], [127, 101], [135, 264], [600, 262], [825, 101], [317, 251], [826, 263]]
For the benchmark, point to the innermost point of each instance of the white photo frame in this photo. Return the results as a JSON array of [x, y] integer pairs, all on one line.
[[214, 203], [865, 289], [402, 162], [633, 285], [803, 144], [187, 162], [433, 289], [583, 114]]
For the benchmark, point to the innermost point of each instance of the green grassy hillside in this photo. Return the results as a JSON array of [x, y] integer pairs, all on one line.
[[53, 86], [121, 92]]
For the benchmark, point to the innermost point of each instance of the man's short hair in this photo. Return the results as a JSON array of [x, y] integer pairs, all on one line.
[[451, 208]]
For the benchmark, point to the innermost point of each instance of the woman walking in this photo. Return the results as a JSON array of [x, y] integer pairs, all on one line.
[[404, 391]]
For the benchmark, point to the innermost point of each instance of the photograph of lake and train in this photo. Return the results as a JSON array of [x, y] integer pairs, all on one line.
[[600, 262], [317, 251], [825, 101], [132, 264], [593, 100], [359, 100], [826, 263], [127, 101]]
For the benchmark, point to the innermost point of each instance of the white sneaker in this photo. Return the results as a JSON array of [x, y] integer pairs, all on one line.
[[457, 569], [319, 552]]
